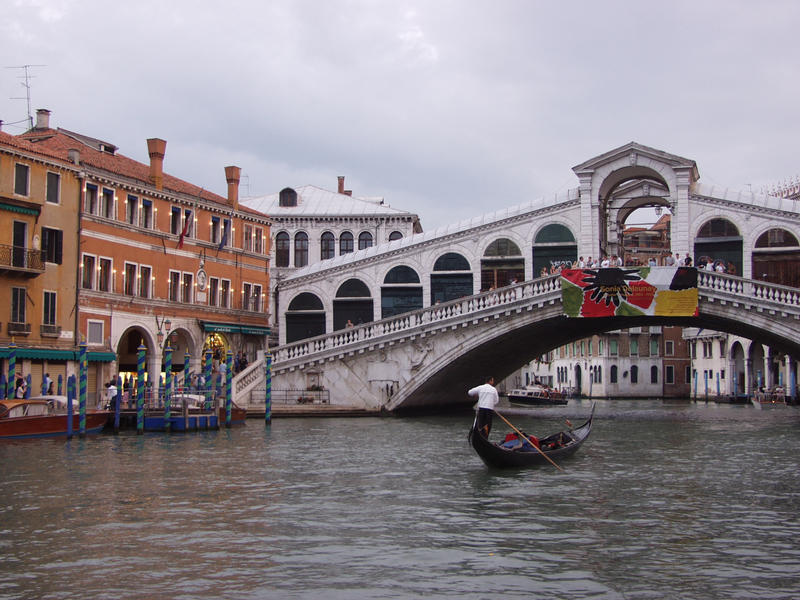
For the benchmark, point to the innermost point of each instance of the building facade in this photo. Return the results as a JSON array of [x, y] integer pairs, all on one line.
[[155, 258]]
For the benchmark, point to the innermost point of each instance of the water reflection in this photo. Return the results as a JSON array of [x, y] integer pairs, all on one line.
[[684, 501]]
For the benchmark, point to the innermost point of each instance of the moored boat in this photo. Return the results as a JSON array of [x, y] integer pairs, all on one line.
[[537, 395], [555, 447], [45, 417]]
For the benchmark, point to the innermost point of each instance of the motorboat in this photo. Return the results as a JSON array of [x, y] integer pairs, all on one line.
[[538, 395], [45, 416]]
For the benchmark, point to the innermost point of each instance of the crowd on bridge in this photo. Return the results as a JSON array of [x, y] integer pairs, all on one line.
[[667, 260]]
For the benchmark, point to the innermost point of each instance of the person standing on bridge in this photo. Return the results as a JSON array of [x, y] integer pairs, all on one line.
[[487, 400]]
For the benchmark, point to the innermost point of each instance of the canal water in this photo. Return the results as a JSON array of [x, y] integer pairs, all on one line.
[[685, 501]]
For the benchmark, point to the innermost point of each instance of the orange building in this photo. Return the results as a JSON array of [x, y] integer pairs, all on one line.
[[157, 257]]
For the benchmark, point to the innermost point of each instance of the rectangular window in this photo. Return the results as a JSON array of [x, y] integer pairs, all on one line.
[[146, 214], [246, 292], [669, 374], [188, 223], [94, 333], [187, 290], [175, 221], [107, 204], [600, 347], [226, 233], [53, 188], [18, 304], [653, 347], [132, 210], [145, 276], [21, 179], [49, 316], [634, 347], [90, 200], [687, 375], [225, 293], [104, 275], [214, 230], [130, 279], [213, 291], [258, 240], [669, 348], [87, 277], [613, 347], [52, 240], [174, 285], [247, 239], [256, 298]]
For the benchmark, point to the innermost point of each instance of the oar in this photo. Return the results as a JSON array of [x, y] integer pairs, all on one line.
[[524, 437]]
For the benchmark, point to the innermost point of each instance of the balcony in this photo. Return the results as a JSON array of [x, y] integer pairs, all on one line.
[[53, 331], [22, 261], [18, 329]]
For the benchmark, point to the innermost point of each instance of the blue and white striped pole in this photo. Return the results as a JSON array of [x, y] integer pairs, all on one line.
[[228, 386], [207, 377], [28, 384], [140, 354], [168, 386], [186, 379], [60, 383], [83, 372], [70, 401]]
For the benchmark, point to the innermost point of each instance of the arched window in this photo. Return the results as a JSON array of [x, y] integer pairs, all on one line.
[[719, 240], [364, 240], [282, 249], [305, 317], [401, 291], [451, 278], [613, 375], [353, 303], [395, 235], [654, 374], [300, 249], [288, 197], [717, 228], [776, 238], [345, 242], [634, 374], [327, 246], [502, 263], [554, 246]]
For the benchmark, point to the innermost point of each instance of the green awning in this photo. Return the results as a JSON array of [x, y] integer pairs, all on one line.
[[18, 209], [50, 354], [211, 327]]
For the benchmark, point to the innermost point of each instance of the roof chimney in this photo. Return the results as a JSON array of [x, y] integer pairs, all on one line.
[[232, 177], [157, 148], [42, 118], [74, 156], [341, 187]]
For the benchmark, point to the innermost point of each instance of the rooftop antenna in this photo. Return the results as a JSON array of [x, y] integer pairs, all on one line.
[[246, 184], [27, 85]]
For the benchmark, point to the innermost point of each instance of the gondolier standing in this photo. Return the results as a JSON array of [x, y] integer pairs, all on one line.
[[487, 400]]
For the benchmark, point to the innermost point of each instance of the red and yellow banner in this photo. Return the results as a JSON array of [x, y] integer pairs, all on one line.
[[630, 292]]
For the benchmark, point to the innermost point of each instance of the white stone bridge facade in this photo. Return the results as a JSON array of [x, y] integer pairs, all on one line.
[[435, 311]]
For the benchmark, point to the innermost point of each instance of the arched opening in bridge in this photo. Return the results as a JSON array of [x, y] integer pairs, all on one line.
[[401, 292], [451, 278], [776, 258], [719, 240], [501, 264], [305, 317], [353, 303], [554, 246]]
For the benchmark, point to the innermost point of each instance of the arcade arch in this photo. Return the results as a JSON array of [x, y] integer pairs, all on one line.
[[719, 240], [776, 257], [353, 303], [502, 262], [401, 291], [554, 246], [305, 317], [451, 278]]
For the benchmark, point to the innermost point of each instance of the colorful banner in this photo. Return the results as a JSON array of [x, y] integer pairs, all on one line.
[[630, 292]]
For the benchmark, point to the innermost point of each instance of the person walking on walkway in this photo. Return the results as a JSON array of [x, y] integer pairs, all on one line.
[[487, 400]]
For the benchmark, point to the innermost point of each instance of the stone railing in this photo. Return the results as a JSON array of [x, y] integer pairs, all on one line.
[[455, 310], [748, 288], [247, 380]]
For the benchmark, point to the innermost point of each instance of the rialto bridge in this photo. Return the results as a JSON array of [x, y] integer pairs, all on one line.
[[414, 321]]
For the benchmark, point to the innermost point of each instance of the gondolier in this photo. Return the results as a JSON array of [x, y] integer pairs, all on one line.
[[487, 400]]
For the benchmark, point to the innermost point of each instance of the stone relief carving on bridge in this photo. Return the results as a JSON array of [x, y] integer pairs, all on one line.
[[420, 351]]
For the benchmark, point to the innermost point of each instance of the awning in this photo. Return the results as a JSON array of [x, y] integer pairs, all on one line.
[[211, 327], [49, 354], [18, 209]]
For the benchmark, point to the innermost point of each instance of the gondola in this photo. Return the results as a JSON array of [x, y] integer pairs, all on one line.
[[497, 457]]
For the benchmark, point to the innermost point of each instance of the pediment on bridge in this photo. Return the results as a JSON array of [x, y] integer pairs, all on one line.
[[634, 154]]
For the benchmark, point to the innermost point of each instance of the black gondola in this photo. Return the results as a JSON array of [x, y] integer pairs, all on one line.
[[497, 457]]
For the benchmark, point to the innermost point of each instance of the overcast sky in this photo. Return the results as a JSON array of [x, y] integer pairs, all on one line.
[[446, 108]]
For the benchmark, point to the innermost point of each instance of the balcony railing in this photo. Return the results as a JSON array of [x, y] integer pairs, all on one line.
[[19, 329], [50, 330], [21, 259]]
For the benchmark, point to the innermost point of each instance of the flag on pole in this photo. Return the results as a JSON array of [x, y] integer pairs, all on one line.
[[223, 242], [187, 223]]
